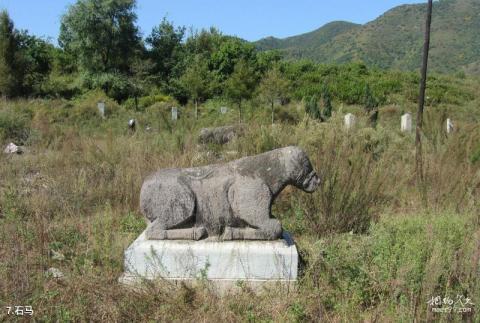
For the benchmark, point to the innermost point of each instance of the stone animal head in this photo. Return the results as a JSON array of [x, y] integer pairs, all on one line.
[[305, 177]]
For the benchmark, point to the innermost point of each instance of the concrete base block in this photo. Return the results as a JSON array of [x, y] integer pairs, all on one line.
[[225, 264]]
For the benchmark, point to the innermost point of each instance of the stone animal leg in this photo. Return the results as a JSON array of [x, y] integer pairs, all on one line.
[[250, 201], [271, 231], [157, 231], [170, 206]]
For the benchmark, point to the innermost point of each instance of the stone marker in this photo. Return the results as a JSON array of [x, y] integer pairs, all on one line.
[[350, 121], [450, 126], [174, 113], [13, 149], [101, 108], [54, 273], [219, 135], [406, 124], [195, 214], [132, 124], [223, 110]]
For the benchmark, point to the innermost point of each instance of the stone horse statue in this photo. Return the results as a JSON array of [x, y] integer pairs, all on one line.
[[229, 201]]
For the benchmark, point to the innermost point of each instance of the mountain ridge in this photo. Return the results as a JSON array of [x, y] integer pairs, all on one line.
[[394, 39]]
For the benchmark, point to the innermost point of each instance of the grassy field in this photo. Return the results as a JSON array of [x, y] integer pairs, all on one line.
[[373, 248]]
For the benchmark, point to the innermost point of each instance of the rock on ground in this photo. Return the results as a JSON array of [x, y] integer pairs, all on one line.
[[219, 135], [13, 149], [54, 273]]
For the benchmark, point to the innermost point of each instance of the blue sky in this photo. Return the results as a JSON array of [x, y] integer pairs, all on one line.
[[249, 19]]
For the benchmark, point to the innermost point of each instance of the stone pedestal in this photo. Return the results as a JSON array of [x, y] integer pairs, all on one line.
[[225, 263]]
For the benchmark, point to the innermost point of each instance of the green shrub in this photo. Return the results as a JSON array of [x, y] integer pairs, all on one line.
[[85, 109], [147, 101], [351, 187], [402, 263], [117, 86], [14, 126], [61, 86], [311, 107]]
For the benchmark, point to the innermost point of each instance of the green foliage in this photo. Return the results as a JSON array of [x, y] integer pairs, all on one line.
[[274, 86], [12, 65], [311, 107], [15, 125], [132, 223], [394, 40], [402, 256], [350, 184], [241, 84], [61, 86], [197, 80], [115, 85], [38, 59], [147, 101], [370, 102], [232, 52], [166, 50], [327, 102], [101, 35], [85, 110]]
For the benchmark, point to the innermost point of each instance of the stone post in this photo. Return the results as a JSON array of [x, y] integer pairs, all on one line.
[[101, 109], [406, 124], [174, 114], [350, 121]]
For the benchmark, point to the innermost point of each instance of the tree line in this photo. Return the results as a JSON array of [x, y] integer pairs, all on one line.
[[100, 47]]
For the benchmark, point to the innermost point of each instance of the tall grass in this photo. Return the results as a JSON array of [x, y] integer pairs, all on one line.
[[370, 249]]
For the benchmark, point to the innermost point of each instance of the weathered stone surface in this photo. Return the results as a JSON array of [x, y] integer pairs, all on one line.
[[101, 108], [223, 264], [450, 126], [406, 124], [174, 113], [54, 273], [350, 121], [219, 135], [13, 149], [132, 123], [231, 201]]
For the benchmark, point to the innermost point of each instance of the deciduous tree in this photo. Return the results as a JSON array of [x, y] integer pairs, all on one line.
[[241, 84], [274, 86], [101, 34], [197, 80]]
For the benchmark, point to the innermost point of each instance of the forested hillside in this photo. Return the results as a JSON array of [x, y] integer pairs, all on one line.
[[394, 40]]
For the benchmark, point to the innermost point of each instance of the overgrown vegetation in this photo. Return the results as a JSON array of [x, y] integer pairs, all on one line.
[[372, 248]]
